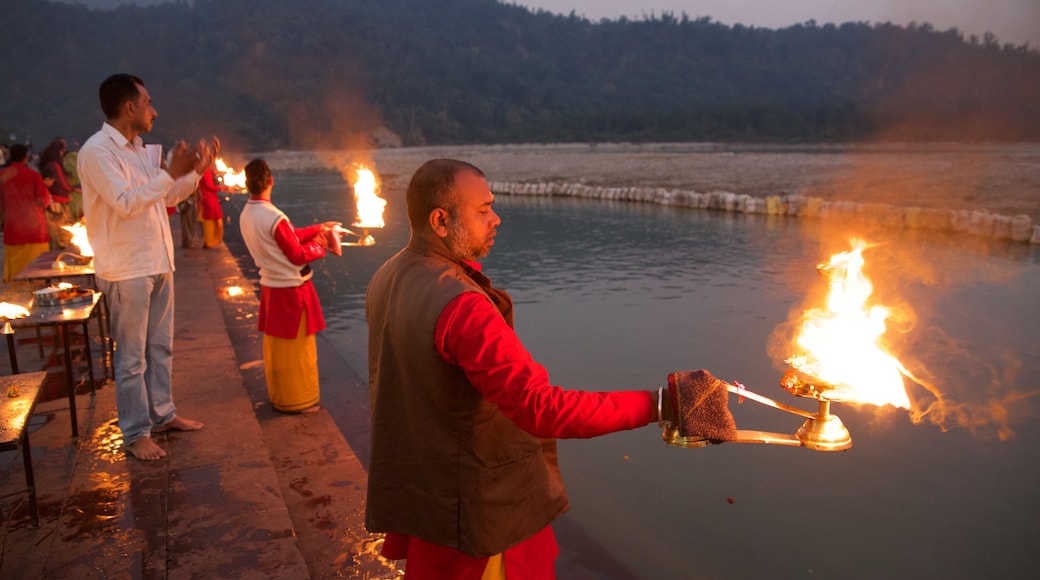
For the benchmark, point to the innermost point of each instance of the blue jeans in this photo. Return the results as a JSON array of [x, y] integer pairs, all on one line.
[[141, 315]]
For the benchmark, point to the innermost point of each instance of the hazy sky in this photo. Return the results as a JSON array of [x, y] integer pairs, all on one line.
[[1012, 21]]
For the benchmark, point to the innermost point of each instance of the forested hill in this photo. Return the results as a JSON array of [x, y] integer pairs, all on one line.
[[268, 74]]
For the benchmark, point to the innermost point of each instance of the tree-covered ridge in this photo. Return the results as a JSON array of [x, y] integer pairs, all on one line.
[[269, 74]]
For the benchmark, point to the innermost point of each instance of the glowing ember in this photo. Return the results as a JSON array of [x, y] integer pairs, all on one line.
[[235, 291], [839, 343], [366, 195], [9, 311], [79, 238], [230, 177]]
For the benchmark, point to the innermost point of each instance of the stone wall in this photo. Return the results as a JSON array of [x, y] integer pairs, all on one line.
[[1017, 228]]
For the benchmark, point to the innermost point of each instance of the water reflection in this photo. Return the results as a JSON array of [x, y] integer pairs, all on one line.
[[616, 295]]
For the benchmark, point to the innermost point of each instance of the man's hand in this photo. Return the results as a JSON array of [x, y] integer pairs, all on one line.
[[195, 158]]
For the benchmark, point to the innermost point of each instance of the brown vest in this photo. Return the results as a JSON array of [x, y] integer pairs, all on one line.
[[446, 465]]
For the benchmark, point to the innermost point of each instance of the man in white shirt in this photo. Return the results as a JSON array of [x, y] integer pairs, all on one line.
[[125, 196]]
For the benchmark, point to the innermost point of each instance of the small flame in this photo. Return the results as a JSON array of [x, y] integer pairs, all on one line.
[[235, 291], [839, 343], [10, 311], [79, 238], [366, 195], [230, 177]]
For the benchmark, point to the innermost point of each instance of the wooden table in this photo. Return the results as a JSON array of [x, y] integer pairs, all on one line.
[[62, 317], [14, 426], [42, 268]]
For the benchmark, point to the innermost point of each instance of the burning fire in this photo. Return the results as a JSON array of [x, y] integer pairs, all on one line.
[[839, 344], [79, 238], [366, 195], [9, 311], [230, 177]]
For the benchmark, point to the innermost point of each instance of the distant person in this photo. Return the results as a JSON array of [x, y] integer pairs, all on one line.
[[290, 314], [68, 162], [210, 213], [23, 199], [191, 228], [58, 213], [125, 198], [463, 476], [187, 212]]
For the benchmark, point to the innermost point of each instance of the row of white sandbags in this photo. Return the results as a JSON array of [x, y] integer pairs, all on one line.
[[1019, 228]]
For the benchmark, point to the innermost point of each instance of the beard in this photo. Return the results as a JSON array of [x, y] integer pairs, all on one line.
[[462, 245]]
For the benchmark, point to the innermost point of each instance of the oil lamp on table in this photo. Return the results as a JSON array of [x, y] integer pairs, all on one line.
[[85, 257]]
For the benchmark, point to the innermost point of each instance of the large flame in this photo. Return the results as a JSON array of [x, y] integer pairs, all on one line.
[[230, 177], [79, 238], [366, 195], [840, 343]]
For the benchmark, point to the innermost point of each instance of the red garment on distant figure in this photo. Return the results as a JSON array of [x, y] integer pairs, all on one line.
[[472, 334], [23, 197], [281, 308], [209, 196], [60, 189]]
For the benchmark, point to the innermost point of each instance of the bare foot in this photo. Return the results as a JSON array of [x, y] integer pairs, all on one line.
[[313, 409], [144, 449], [178, 424]]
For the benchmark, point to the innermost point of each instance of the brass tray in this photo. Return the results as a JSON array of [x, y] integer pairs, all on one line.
[[81, 297]]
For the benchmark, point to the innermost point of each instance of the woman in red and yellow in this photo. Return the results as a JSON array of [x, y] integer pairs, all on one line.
[[212, 215]]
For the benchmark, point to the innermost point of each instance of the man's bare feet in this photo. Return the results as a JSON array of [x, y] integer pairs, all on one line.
[[178, 424], [144, 449]]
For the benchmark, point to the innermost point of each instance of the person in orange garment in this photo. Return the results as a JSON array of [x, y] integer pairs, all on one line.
[[58, 213], [23, 199], [463, 478], [210, 213]]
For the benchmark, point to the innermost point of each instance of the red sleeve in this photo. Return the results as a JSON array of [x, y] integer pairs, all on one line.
[[59, 175], [209, 180], [298, 253], [43, 195], [307, 233], [472, 335]]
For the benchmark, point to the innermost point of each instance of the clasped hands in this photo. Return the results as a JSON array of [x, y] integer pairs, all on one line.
[[197, 157]]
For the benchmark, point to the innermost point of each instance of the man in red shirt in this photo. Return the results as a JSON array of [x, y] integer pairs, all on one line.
[[463, 476], [24, 197]]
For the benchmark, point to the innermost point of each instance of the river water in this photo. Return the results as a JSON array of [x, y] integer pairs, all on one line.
[[616, 295]]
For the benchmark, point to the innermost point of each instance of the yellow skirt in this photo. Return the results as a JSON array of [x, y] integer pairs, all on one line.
[[291, 365], [212, 233], [17, 257]]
